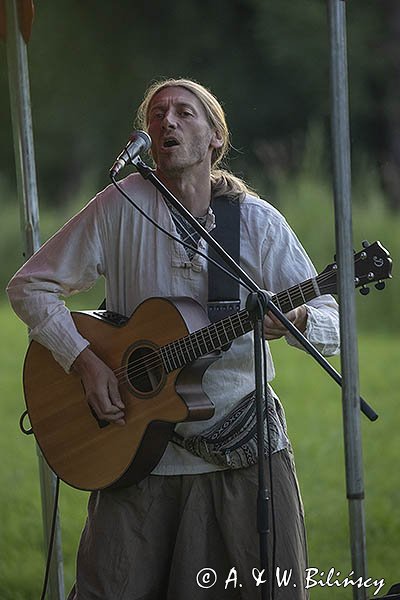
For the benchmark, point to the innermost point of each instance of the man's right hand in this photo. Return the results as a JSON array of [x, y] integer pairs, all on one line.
[[101, 387]]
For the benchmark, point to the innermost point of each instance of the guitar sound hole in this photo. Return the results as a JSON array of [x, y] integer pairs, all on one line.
[[144, 370]]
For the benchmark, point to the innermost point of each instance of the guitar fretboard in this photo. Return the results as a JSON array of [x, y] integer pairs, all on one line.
[[209, 339]]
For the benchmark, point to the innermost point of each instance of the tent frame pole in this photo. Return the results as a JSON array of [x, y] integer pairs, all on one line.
[[18, 73], [344, 244]]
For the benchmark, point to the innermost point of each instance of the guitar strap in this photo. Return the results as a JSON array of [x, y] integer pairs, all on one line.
[[223, 291]]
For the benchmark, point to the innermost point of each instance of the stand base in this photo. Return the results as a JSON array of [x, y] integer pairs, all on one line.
[[393, 594]]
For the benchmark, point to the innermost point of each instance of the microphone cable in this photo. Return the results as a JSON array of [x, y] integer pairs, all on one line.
[[177, 239], [51, 538], [29, 431]]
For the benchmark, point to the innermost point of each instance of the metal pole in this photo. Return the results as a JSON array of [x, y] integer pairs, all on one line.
[[29, 218], [344, 245]]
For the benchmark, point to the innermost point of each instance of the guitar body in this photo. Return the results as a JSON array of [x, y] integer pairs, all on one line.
[[90, 454], [159, 356]]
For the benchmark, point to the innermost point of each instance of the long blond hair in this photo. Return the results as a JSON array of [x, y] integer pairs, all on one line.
[[223, 182]]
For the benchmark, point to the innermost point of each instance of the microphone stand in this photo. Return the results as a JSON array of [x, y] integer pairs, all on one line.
[[256, 298]]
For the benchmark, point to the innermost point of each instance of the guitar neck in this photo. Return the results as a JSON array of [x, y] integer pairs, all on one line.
[[185, 350]]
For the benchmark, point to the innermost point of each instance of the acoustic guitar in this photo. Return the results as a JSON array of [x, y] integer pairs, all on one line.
[[159, 356]]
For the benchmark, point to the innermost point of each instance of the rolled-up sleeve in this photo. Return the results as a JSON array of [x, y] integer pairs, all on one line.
[[286, 264], [69, 262], [322, 328]]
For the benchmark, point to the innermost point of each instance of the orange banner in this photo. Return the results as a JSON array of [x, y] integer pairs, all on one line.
[[26, 11]]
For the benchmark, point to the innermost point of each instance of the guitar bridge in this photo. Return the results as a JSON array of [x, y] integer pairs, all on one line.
[[101, 422]]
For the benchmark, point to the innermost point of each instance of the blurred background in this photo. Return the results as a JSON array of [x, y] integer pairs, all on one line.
[[268, 62]]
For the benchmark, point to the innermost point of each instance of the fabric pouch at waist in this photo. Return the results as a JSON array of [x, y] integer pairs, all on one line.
[[232, 441]]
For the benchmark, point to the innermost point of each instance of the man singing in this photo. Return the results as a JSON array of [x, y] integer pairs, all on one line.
[[150, 541]]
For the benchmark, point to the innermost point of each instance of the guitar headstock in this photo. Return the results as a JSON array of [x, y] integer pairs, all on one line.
[[371, 264]]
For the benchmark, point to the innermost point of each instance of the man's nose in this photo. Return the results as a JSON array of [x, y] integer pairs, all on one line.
[[169, 120]]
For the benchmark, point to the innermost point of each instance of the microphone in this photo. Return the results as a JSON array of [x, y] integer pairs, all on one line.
[[138, 141]]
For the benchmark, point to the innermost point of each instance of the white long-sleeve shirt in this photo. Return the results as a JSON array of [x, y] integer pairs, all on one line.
[[109, 238]]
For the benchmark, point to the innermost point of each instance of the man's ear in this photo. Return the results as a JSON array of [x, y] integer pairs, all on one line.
[[216, 140]]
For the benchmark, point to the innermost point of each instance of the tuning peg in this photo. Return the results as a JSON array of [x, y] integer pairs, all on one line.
[[380, 285], [365, 244], [364, 290]]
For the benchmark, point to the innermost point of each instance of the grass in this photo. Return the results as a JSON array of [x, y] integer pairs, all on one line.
[[313, 409]]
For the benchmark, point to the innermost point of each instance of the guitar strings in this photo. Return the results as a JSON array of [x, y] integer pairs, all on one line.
[[180, 344], [178, 349], [153, 360]]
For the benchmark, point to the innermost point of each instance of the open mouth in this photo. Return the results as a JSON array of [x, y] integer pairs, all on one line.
[[169, 143]]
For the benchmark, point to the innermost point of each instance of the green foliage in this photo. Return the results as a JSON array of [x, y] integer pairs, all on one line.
[[267, 61]]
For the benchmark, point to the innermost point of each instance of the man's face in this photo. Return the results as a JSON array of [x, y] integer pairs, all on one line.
[[181, 134]]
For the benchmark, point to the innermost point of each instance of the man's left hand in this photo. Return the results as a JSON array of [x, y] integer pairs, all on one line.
[[273, 328]]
